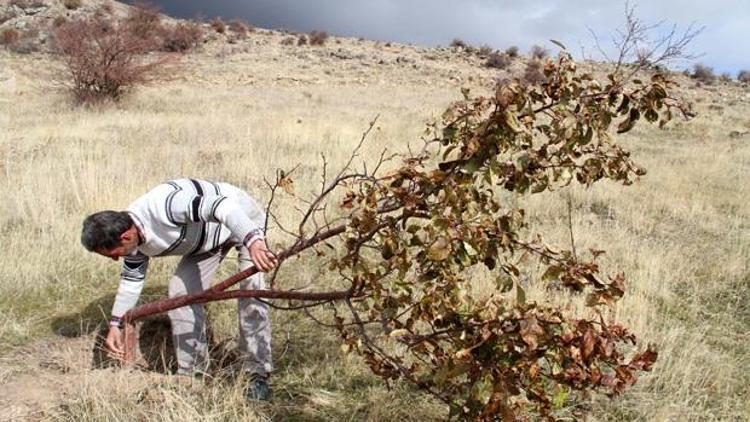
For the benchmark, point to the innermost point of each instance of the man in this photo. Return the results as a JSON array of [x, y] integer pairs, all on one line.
[[201, 221]]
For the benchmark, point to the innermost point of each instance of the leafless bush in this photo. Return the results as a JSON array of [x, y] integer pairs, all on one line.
[[703, 73], [104, 59], [538, 52], [288, 41], [725, 77], [182, 37], [302, 39], [498, 60], [218, 25], [144, 20], [533, 74], [72, 4], [318, 37], [744, 76], [512, 51]]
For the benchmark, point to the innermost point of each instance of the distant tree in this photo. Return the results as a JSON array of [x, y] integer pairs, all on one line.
[[744, 76], [458, 43], [512, 51]]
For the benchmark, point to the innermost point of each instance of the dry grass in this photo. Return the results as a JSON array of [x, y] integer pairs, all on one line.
[[681, 234]]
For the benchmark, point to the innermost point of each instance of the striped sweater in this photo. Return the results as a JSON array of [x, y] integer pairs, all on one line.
[[185, 217]]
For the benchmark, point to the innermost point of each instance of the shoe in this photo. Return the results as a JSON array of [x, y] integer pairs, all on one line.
[[258, 388]]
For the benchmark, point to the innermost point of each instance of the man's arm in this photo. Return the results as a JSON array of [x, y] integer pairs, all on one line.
[[131, 284]]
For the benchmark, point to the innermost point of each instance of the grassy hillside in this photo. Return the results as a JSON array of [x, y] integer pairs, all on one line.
[[236, 112]]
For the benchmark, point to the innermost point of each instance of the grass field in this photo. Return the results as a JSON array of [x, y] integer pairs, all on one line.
[[681, 235]]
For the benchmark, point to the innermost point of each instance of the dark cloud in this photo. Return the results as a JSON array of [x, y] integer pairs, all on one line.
[[493, 22]]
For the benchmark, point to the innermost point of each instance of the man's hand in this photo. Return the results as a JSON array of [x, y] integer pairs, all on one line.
[[114, 342], [263, 259]]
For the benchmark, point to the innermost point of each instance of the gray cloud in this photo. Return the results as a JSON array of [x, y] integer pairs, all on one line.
[[496, 23]]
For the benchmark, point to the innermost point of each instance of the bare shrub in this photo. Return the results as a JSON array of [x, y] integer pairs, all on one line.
[[302, 39], [318, 37], [498, 60], [103, 59], [538, 52], [144, 20], [218, 25], [72, 4], [182, 37], [703, 73], [288, 41], [744, 76], [533, 74], [512, 51], [725, 77]]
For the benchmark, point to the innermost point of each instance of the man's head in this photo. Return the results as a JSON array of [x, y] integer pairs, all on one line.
[[110, 233]]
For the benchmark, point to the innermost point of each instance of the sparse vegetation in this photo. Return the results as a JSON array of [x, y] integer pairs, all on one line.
[[239, 28], [302, 40], [743, 76], [538, 52], [318, 38], [8, 37], [22, 42], [703, 73], [512, 51], [485, 51]]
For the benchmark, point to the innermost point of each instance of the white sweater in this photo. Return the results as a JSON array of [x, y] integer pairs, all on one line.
[[185, 217]]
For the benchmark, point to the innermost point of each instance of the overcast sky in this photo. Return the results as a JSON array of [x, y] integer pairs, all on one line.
[[725, 42]]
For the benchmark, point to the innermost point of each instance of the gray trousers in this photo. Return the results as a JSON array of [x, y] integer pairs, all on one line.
[[194, 274]]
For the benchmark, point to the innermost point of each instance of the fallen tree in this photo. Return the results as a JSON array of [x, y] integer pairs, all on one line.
[[405, 242]]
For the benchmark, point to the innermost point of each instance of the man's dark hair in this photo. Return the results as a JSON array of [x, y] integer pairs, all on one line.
[[102, 230]]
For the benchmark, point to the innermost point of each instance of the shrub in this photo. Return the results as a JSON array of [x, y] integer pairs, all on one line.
[[218, 26], [72, 4], [23, 42], [240, 28], [744, 76], [302, 39], [538, 52], [498, 60], [533, 74], [512, 51], [182, 37], [318, 37], [485, 51], [103, 59], [288, 41], [725, 77], [144, 20], [458, 43], [58, 21], [8, 37], [703, 73]]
